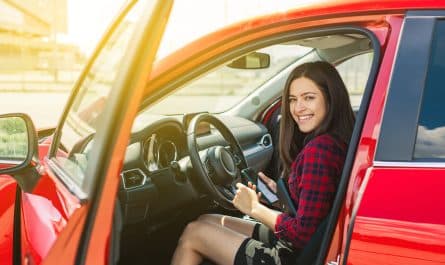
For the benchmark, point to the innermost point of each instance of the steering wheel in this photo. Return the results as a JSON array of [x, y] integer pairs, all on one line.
[[217, 167]]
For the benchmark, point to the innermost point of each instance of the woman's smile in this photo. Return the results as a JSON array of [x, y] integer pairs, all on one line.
[[302, 118]]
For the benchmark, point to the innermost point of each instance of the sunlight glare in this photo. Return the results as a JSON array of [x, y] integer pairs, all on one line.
[[190, 20], [88, 20]]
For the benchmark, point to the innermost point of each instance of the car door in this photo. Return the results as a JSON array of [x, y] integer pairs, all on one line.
[[396, 189], [66, 217], [8, 194]]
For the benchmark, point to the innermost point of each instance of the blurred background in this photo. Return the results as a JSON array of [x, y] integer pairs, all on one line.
[[44, 44]]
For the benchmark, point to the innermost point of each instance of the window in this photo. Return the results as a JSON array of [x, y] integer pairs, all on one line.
[[355, 73], [84, 117], [430, 141], [224, 87]]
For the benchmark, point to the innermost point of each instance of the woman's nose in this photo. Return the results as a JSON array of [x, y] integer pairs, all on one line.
[[299, 106]]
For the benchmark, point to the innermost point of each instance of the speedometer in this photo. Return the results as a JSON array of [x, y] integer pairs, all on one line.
[[167, 153], [151, 153]]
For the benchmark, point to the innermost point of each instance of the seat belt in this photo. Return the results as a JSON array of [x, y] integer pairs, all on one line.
[[309, 253]]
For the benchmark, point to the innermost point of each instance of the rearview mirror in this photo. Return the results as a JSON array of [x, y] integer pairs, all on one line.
[[18, 142], [254, 60]]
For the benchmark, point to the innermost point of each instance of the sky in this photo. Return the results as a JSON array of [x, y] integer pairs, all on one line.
[[189, 19]]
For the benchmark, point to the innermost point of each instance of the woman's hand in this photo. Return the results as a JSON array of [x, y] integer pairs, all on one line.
[[268, 181], [246, 199], [253, 187]]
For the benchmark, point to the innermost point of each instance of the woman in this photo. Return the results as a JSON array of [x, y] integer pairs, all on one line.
[[316, 126]]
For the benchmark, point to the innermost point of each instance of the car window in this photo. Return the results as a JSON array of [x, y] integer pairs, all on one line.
[[430, 141], [84, 116], [355, 72], [224, 87]]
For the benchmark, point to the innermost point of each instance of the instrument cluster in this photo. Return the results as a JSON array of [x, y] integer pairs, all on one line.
[[159, 152]]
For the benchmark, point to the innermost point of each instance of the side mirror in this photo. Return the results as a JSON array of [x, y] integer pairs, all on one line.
[[254, 60], [18, 148]]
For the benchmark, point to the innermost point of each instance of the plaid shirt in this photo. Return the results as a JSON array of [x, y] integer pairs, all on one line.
[[312, 181]]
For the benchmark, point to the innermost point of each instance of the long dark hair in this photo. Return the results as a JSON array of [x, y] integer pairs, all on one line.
[[339, 120]]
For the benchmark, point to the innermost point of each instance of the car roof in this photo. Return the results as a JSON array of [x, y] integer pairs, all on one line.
[[304, 11]]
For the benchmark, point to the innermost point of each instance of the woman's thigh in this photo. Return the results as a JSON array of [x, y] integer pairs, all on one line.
[[223, 245], [215, 242], [239, 225]]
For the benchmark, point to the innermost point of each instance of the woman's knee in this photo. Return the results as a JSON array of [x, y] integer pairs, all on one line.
[[192, 232], [189, 231], [213, 218]]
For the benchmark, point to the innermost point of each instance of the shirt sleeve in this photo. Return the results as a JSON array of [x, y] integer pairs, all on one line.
[[321, 165]]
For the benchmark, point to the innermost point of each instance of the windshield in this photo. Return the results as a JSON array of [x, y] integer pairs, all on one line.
[[220, 89]]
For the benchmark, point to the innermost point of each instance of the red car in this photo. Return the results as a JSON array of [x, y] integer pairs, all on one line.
[[135, 154]]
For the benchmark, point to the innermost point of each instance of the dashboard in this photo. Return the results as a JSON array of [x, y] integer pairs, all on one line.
[[158, 179]]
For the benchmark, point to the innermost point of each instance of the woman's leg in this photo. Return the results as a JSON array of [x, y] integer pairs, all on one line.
[[206, 239], [239, 225]]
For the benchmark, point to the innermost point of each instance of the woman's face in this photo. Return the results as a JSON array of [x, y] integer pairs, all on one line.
[[307, 104]]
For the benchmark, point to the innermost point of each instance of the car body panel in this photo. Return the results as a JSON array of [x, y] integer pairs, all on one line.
[[41, 225], [7, 190], [393, 215], [45, 214], [401, 224], [367, 144], [39, 242]]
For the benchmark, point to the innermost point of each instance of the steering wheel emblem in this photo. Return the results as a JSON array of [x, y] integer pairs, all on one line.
[[221, 160]]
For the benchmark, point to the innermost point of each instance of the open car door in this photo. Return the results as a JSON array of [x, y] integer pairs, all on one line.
[[65, 200]]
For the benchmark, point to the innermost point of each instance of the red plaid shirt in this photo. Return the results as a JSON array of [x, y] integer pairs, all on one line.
[[312, 181]]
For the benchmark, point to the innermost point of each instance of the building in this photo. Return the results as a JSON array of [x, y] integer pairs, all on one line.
[[29, 50]]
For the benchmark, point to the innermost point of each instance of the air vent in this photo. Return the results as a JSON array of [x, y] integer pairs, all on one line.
[[266, 140], [133, 178]]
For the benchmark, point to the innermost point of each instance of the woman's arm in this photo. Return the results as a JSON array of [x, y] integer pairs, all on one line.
[[246, 200]]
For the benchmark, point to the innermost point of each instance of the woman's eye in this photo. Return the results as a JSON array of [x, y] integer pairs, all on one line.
[[307, 98]]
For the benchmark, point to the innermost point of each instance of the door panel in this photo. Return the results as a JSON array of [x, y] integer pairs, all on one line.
[[396, 202], [45, 213], [401, 218], [7, 191], [54, 214], [370, 116], [87, 175], [120, 113]]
